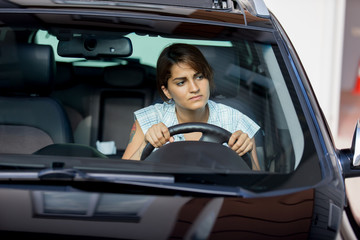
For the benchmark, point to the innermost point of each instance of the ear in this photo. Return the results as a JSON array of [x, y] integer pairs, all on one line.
[[166, 92]]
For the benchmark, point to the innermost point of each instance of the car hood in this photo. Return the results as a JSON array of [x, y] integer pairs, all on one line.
[[57, 214]]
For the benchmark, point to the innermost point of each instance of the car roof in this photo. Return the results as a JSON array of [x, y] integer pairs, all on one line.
[[199, 10]]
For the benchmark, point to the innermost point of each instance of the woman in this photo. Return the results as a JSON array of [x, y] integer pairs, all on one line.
[[184, 81]]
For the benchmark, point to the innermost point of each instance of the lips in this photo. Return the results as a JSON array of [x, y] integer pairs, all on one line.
[[195, 98]]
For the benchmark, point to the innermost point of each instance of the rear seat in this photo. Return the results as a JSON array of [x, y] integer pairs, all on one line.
[[101, 101], [76, 88], [129, 89]]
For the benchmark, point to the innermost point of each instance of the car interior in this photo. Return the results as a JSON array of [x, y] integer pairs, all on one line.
[[30, 118], [94, 94]]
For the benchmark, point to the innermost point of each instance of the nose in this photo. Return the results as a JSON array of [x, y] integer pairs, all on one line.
[[194, 87]]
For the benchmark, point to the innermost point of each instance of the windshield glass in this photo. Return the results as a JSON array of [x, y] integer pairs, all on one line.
[[100, 95]]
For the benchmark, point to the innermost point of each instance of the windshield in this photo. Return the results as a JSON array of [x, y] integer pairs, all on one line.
[[99, 96]]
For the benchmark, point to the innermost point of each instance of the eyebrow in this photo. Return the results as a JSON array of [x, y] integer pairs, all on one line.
[[179, 78], [184, 78]]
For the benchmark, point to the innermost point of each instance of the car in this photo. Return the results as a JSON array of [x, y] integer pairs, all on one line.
[[73, 72]]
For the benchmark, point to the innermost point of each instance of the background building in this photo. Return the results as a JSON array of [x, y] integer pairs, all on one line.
[[326, 35]]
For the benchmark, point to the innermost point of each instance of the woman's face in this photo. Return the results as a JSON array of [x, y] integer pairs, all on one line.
[[189, 89]]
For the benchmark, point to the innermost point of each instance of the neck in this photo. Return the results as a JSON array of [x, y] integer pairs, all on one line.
[[199, 115]]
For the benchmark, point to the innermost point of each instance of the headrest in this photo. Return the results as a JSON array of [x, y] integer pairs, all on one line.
[[26, 68], [124, 76]]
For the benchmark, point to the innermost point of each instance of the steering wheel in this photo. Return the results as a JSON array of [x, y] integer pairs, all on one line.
[[210, 133]]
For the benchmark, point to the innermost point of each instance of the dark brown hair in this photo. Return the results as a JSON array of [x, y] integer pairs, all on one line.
[[181, 53]]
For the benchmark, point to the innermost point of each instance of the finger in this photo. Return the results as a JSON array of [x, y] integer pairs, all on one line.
[[166, 133], [156, 136], [153, 135], [163, 134], [240, 141], [241, 144], [246, 147], [159, 138], [150, 139], [233, 138], [246, 150], [231, 141]]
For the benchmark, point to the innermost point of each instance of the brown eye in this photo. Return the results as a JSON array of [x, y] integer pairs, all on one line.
[[199, 77]]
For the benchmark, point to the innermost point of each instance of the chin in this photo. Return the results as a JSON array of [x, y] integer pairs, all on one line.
[[197, 105]]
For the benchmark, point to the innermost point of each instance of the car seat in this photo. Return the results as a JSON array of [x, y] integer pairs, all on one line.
[[126, 90], [29, 118]]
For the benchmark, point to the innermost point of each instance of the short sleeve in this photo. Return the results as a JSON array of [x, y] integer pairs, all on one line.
[[231, 119], [247, 125], [146, 117]]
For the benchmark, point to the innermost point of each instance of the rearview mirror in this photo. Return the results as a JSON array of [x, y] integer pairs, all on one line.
[[95, 47]]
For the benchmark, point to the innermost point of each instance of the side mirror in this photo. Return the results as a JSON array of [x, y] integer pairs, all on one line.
[[350, 158], [355, 146]]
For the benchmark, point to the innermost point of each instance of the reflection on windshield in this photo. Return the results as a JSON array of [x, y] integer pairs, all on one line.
[[175, 217], [90, 205]]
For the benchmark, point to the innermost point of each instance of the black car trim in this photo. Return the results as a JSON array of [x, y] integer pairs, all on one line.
[[134, 15]]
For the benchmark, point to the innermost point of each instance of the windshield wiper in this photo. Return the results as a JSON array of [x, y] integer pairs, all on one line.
[[164, 183], [75, 174]]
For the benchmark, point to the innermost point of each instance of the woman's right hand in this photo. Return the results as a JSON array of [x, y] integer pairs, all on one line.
[[158, 135]]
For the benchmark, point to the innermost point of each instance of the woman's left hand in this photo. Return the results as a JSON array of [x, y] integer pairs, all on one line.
[[241, 143]]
